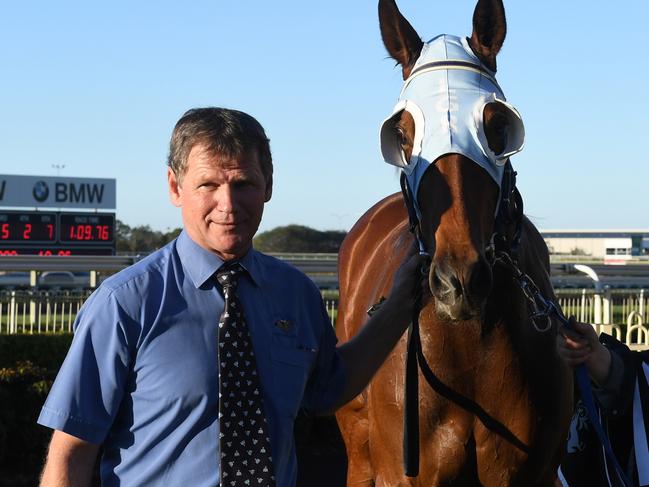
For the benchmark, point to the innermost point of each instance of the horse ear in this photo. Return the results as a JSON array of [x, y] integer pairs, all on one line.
[[489, 30], [400, 39]]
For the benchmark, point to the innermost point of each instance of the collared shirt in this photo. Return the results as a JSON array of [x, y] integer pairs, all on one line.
[[141, 376]]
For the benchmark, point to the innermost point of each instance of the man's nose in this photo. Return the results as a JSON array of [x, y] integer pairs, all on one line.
[[226, 198]]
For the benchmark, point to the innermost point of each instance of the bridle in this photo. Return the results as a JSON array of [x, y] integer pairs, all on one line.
[[507, 224], [503, 247]]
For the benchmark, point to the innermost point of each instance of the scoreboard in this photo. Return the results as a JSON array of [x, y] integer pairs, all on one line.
[[56, 233]]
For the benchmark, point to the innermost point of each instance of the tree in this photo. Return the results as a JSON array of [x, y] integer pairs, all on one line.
[[298, 238], [141, 238]]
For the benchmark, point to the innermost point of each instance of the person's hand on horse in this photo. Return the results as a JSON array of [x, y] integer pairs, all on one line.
[[581, 345], [410, 282]]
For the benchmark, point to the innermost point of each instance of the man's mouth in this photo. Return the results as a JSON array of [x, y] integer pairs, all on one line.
[[226, 224]]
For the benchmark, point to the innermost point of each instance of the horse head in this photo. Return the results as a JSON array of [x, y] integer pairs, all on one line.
[[452, 133]]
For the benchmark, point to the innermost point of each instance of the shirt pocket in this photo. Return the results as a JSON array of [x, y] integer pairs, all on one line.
[[291, 366]]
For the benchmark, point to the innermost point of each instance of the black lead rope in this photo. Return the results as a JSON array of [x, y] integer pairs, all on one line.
[[411, 401]]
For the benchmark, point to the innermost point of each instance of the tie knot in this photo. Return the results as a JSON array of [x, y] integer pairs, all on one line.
[[228, 273]]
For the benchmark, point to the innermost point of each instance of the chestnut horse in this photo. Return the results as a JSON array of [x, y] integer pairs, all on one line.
[[476, 327]]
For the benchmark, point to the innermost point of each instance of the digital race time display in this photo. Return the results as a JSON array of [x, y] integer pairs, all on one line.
[[56, 233], [86, 228]]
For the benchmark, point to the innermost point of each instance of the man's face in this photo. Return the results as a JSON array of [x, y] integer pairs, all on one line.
[[222, 200]]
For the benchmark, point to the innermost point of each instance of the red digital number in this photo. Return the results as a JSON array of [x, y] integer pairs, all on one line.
[[45, 252], [27, 231], [65, 252], [103, 232], [81, 232], [76, 232], [8, 252], [4, 231], [50, 230]]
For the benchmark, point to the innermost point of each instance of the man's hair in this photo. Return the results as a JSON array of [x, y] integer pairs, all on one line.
[[225, 132]]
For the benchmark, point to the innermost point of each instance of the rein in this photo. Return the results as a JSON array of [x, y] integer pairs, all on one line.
[[501, 251]]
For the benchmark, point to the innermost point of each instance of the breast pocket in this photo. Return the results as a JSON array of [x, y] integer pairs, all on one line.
[[291, 369]]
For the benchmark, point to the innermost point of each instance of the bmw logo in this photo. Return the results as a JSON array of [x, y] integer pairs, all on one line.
[[41, 191]]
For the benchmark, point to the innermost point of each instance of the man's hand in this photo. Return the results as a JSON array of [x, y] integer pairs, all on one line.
[[582, 346], [365, 352], [409, 282]]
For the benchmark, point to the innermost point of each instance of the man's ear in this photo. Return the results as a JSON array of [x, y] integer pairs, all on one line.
[[175, 190], [269, 188]]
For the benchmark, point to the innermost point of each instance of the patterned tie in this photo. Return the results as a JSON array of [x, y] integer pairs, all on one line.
[[245, 444]]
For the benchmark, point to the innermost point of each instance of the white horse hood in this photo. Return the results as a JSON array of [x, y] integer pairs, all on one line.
[[446, 94]]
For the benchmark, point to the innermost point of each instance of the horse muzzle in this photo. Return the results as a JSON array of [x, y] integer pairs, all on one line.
[[460, 291]]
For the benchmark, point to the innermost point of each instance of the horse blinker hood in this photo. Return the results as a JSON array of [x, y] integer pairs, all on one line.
[[446, 94]]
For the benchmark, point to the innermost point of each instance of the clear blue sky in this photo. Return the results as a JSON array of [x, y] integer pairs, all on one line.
[[98, 86]]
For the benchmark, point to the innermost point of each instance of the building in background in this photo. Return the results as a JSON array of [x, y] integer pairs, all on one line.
[[610, 245]]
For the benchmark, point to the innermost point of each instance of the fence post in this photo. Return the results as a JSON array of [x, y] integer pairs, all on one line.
[[641, 304], [582, 315], [32, 303], [47, 313], [12, 313], [597, 310], [606, 325], [606, 305]]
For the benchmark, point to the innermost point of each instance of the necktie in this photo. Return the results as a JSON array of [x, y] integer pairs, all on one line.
[[245, 443]]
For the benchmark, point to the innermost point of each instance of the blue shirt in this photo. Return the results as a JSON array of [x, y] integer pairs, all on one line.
[[141, 376]]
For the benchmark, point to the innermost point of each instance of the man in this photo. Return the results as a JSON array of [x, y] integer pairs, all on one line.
[[145, 374], [620, 379]]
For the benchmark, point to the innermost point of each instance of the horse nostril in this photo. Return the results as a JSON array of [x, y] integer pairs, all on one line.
[[480, 279], [444, 283]]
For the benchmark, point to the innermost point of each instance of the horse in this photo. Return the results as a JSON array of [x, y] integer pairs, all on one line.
[[480, 332]]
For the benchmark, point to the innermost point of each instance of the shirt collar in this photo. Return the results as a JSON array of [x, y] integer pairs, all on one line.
[[200, 264]]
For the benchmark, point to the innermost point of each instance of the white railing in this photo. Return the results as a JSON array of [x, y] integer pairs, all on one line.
[[55, 311], [39, 311], [622, 314]]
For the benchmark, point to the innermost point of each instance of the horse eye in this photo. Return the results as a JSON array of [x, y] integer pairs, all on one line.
[[496, 130], [403, 140]]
